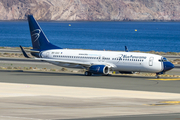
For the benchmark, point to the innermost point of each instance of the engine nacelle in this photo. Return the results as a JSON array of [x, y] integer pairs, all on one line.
[[99, 69]]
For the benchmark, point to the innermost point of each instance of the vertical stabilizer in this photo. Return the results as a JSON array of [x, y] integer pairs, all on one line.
[[39, 39]]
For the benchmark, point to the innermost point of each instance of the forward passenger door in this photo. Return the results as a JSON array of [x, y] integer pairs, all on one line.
[[151, 61]]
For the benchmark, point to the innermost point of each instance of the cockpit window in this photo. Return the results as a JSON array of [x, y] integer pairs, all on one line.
[[163, 60]]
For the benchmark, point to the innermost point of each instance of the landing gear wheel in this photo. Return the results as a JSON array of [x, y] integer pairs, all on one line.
[[87, 73], [157, 76]]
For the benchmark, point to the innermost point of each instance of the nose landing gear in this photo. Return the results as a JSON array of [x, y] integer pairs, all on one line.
[[157, 74]]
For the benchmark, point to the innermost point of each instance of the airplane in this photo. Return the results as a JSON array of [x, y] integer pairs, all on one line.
[[94, 61]]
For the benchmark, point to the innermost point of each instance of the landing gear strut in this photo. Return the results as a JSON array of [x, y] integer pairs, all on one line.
[[87, 73], [157, 75]]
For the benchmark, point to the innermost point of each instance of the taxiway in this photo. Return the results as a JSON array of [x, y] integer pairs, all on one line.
[[66, 95]]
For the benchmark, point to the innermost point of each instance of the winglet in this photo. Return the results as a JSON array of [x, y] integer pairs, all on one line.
[[24, 53], [126, 49]]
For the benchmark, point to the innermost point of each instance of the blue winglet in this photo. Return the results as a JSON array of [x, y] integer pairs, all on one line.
[[126, 49]]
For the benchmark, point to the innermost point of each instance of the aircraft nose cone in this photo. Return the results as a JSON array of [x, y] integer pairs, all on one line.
[[168, 66]]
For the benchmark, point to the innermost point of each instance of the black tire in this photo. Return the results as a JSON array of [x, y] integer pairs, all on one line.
[[86, 73], [157, 76]]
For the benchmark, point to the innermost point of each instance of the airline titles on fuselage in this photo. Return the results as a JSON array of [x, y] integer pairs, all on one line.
[[131, 57]]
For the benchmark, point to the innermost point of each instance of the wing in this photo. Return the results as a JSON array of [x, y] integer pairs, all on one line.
[[84, 64]]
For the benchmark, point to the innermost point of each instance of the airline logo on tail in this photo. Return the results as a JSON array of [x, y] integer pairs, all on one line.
[[36, 34]]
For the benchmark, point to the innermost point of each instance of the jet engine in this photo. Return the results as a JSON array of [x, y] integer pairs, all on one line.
[[99, 69]]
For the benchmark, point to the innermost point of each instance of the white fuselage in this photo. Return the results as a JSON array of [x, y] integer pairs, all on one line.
[[118, 61]]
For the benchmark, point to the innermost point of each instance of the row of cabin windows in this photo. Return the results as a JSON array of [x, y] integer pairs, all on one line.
[[63, 56], [104, 58], [128, 59]]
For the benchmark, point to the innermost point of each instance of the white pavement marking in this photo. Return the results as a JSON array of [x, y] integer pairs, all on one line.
[[17, 118], [15, 90]]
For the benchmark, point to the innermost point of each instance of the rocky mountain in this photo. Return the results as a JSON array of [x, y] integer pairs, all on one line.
[[91, 10]]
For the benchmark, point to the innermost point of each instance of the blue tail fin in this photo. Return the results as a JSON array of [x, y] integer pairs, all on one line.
[[39, 39]]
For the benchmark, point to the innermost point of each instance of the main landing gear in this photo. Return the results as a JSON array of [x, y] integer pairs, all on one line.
[[157, 76], [87, 73]]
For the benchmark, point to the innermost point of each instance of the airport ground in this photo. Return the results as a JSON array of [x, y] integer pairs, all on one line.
[[42, 95]]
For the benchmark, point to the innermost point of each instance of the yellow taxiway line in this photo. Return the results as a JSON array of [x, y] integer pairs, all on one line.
[[171, 102], [163, 103], [166, 79]]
